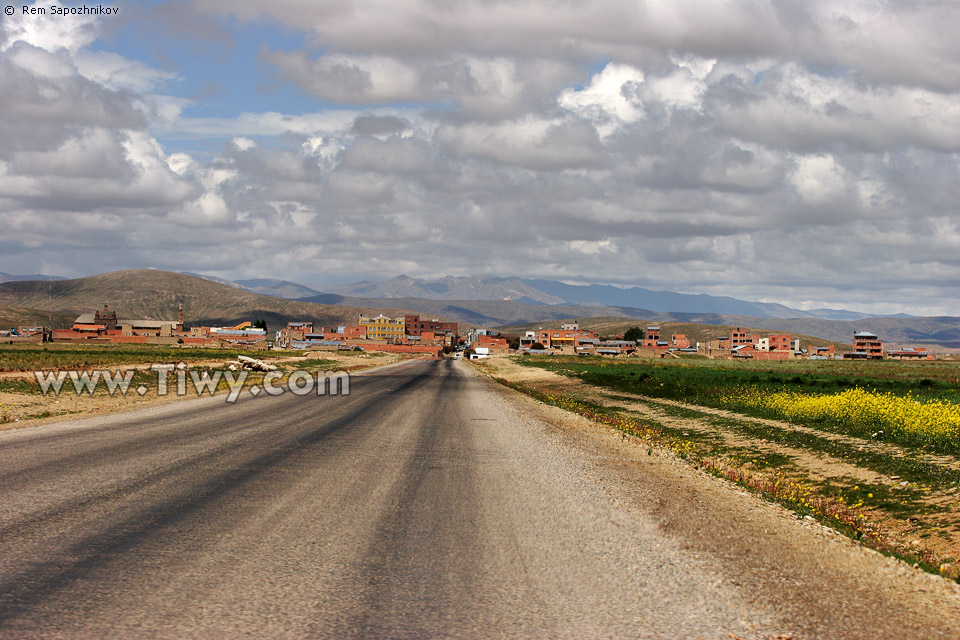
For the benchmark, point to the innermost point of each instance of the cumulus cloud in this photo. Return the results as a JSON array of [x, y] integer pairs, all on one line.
[[803, 152], [68, 32]]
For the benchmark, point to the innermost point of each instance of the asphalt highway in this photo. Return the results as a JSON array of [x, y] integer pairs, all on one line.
[[427, 503]]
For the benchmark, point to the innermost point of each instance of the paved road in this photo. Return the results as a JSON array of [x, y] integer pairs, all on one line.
[[427, 503]]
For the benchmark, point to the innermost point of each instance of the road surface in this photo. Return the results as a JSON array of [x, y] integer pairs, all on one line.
[[428, 503]]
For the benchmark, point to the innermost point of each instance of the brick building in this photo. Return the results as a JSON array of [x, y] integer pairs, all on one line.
[[866, 345], [739, 337], [494, 344], [415, 325], [651, 337]]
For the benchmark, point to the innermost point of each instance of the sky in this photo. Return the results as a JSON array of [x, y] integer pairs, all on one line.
[[805, 152]]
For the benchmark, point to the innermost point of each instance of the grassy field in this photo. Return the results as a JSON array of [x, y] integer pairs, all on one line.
[[915, 404]]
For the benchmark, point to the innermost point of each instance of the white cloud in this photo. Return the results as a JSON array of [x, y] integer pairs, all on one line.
[[244, 144], [534, 143], [608, 100], [819, 179], [114, 71], [730, 147], [50, 32]]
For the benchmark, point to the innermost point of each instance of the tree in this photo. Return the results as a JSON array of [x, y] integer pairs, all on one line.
[[633, 334], [260, 324], [536, 346]]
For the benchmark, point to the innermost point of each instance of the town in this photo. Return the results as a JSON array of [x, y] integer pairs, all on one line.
[[413, 334]]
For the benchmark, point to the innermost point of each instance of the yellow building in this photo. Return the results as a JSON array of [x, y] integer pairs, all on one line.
[[383, 328]]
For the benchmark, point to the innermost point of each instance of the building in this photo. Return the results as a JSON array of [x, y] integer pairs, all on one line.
[[492, 344], [866, 346], [745, 351], [560, 338], [910, 353], [106, 317], [614, 347], [297, 330], [779, 342], [104, 325], [651, 337], [415, 325], [829, 352], [381, 327], [528, 339], [739, 337], [353, 332], [719, 347]]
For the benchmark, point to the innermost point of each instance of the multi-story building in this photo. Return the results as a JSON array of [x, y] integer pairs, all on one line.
[[651, 338], [866, 345], [381, 327], [738, 337], [780, 342], [528, 339], [559, 338], [297, 330], [353, 331], [415, 325]]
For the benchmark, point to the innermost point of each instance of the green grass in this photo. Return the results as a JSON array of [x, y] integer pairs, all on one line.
[[711, 383], [702, 379], [913, 468]]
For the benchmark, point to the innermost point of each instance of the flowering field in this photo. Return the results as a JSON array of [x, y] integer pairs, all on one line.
[[857, 411], [887, 401]]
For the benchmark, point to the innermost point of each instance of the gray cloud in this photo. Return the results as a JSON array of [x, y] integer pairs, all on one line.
[[803, 152], [371, 125]]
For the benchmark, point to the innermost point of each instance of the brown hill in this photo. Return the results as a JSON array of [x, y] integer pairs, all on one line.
[[148, 293]]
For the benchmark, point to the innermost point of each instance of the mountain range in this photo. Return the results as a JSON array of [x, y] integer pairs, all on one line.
[[455, 290], [10, 277], [207, 300]]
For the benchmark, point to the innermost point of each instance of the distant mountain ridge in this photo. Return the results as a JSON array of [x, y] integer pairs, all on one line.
[[11, 277], [451, 288], [552, 292], [263, 286]]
